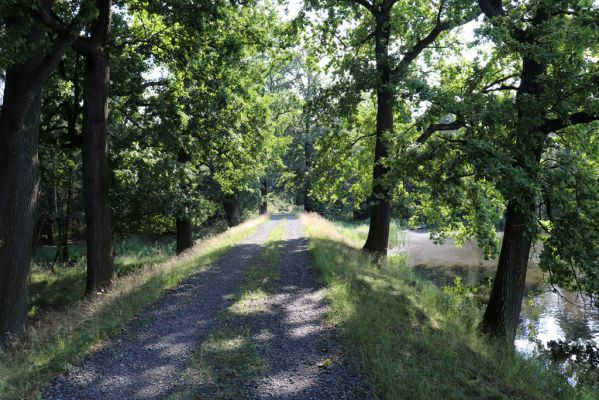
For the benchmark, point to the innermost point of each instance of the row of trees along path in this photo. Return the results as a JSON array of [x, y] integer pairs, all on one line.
[[505, 129], [534, 118]]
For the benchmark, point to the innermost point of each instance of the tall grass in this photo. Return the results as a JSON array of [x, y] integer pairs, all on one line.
[[357, 232], [58, 338], [55, 285], [414, 341]]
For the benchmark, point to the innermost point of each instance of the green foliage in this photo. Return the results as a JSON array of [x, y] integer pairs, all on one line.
[[206, 129], [571, 198]]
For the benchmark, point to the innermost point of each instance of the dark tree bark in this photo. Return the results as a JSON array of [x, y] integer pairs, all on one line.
[[100, 266], [19, 167], [232, 211], [308, 206], [184, 225], [264, 199], [19, 180], [184, 235], [503, 309], [380, 207]]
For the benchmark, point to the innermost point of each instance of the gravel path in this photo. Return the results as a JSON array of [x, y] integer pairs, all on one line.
[[145, 361], [296, 340], [148, 358]]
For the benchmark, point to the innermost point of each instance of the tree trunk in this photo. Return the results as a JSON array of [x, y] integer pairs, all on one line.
[[264, 199], [100, 267], [184, 235], [503, 309], [19, 167], [308, 206], [232, 211], [19, 180], [380, 206]]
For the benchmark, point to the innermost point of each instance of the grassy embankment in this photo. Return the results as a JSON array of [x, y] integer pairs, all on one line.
[[413, 340], [228, 357], [58, 338]]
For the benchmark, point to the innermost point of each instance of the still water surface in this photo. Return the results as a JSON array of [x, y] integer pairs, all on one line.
[[545, 315]]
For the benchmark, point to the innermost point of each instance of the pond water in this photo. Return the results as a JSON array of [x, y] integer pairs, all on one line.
[[545, 316]]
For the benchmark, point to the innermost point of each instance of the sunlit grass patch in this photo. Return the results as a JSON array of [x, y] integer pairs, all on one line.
[[223, 362], [357, 232], [259, 279], [58, 338], [413, 340]]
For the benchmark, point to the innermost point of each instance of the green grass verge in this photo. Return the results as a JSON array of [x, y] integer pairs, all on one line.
[[58, 338], [415, 341], [357, 232]]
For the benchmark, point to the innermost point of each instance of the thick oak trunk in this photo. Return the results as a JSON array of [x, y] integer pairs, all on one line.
[[380, 198], [19, 164], [19, 180], [503, 309], [232, 211], [100, 266], [184, 235]]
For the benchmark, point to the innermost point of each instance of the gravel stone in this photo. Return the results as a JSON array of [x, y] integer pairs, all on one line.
[[145, 361]]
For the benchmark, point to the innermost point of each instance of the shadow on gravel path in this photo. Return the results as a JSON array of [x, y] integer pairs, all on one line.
[[298, 347], [147, 358]]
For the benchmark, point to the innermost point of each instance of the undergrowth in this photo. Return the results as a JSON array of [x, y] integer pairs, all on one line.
[[57, 285], [56, 339], [415, 341]]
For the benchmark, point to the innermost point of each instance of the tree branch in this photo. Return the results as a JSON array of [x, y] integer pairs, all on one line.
[[422, 44], [428, 132], [491, 8], [582, 117]]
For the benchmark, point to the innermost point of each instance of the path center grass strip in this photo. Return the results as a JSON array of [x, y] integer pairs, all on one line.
[[415, 341], [58, 339], [228, 358], [259, 280]]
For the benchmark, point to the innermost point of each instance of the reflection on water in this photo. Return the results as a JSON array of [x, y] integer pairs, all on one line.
[[565, 317], [546, 315]]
